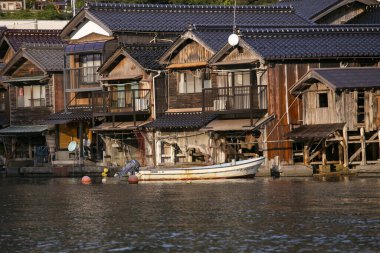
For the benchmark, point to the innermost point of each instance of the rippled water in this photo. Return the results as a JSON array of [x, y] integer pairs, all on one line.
[[260, 215]]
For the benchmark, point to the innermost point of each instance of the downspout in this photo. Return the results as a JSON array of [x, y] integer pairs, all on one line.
[[154, 93], [154, 117], [64, 83]]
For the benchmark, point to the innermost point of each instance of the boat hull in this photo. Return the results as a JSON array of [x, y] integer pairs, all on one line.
[[239, 169]]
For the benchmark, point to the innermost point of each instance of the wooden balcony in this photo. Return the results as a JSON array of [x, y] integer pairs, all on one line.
[[240, 99], [127, 102], [85, 78]]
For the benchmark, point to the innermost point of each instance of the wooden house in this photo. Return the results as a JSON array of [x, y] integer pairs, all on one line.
[[98, 28], [341, 116], [333, 12], [35, 78], [214, 114], [128, 101], [282, 55]]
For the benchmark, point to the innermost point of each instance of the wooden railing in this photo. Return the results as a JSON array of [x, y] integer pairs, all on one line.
[[137, 100], [240, 98]]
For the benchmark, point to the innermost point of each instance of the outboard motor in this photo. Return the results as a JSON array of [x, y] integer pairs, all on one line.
[[275, 171], [130, 167]]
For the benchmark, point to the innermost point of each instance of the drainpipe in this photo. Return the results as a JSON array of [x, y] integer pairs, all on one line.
[[154, 117], [64, 83], [154, 93]]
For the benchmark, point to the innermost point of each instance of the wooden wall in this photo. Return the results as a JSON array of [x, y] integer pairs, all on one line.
[[126, 67], [58, 90], [180, 101], [343, 14], [286, 107], [192, 52]]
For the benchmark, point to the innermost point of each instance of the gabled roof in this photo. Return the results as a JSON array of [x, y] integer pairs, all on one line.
[[15, 38], [118, 17], [47, 57], [315, 132], [316, 9], [310, 42], [212, 37], [371, 15], [144, 55], [340, 78]]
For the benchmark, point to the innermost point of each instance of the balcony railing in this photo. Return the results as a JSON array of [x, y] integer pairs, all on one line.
[[126, 101], [81, 78], [240, 98]]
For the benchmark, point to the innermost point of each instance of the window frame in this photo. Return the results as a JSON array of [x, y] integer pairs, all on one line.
[[40, 101]]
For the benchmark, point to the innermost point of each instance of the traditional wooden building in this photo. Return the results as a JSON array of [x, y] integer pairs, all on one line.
[[11, 5], [333, 12], [131, 79], [282, 55], [35, 78], [341, 116], [94, 33]]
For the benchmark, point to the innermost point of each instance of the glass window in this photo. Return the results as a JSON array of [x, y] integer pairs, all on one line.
[[89, 64], [31, 96], [323, 100], [188, 82], [2, 101]]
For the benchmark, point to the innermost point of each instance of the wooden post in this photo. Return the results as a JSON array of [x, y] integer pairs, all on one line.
[[306, 153], [345, 146], [362, 142], [324, 159]]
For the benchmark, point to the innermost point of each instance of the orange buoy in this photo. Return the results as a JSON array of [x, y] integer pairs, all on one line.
[[86, 180], [132, 179]]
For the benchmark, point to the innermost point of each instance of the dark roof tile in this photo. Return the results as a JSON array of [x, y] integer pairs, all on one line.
[[18, 37], [294, 42], [181, 120], [50, 57], [175, 18], [146, 54]]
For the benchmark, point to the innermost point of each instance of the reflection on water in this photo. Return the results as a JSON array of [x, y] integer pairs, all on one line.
[[260, 215]]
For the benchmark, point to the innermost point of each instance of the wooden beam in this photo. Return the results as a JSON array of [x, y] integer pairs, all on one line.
[[373, 137]]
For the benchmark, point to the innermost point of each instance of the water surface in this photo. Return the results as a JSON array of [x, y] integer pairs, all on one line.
[[259, 215]]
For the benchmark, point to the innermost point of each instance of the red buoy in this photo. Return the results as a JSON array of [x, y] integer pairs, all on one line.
[[86, 180], [132, 179]]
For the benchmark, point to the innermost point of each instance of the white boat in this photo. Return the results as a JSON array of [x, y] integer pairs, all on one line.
[[239, 169]]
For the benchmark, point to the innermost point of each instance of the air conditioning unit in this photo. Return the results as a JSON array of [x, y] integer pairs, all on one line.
[[141, 104], [220, 105]]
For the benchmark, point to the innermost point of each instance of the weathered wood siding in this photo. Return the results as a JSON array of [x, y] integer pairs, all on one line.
[[27, 115], [58, 92], [8, 55], [240, 54], [343, 14], [192, 52], [180, 101], [286, 107], [27, 69], [126, 67]]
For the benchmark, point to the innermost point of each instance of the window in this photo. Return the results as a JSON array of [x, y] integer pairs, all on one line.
[[189, 82], [229, 79], [323, 100], [31, 96], [89, 64]]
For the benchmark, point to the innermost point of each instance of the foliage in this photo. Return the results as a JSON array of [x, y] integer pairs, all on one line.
[[50, 13]]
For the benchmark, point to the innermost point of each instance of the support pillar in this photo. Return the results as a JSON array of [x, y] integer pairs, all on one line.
[[362, 142], [345, 146]]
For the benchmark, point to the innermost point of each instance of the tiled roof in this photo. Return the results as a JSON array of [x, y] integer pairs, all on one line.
[[341, 78], [175, 18], [318, 131], [311, 8], [181, 120], [370, 16], [310, 42], [146, 54], [213, 36], [50, 57], [63, 117], [17, 37]]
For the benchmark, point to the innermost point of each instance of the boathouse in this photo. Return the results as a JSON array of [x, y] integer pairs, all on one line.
[[341, 117]]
